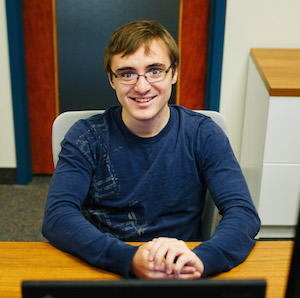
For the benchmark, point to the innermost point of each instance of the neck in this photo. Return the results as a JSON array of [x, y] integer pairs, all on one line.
[[147, 128]]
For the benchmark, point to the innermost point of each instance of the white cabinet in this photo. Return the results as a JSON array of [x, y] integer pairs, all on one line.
[[270, 155]]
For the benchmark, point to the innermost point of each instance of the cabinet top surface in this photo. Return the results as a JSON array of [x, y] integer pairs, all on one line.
[[279, 69]]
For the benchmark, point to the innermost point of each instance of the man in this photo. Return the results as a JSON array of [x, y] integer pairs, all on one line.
[[139, 172]]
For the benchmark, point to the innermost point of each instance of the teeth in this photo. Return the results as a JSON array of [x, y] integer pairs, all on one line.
[[143, 99]]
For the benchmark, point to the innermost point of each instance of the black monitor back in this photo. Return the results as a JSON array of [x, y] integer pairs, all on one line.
[[139, 288]]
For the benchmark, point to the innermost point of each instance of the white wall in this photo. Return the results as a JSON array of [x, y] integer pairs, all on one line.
[[252, 24], [7, 136]]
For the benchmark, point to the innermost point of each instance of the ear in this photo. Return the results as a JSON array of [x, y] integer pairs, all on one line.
[[175, 75], [110, 81]]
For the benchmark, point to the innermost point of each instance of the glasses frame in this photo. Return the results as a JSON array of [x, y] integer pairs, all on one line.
[[143, 75]]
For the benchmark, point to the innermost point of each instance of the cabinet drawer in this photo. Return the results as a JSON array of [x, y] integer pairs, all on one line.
[[279, 194], [283, 131]]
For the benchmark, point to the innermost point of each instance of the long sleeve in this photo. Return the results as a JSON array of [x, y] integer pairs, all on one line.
[[65, 226], [233, 239]]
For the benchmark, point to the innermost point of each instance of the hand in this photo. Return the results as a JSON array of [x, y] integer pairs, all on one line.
[[165, 258], [178, 258], [142, 268]]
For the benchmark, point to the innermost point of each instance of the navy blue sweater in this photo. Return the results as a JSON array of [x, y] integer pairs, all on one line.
[[111, 186]]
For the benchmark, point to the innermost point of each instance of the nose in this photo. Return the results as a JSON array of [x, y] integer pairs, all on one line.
[[142, 86]]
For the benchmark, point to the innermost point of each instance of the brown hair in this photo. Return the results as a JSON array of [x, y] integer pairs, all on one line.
[[128, 38]]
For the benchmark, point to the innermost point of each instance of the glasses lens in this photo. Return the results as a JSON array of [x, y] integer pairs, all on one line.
[[155, 76], [127, 78]]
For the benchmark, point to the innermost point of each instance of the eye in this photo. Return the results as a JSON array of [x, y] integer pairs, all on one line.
[[155, 71], [127, 75]]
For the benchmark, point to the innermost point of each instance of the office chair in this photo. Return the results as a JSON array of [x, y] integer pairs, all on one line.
[[64, 121]]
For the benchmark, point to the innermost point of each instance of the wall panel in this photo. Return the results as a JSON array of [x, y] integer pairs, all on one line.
[[39, 55], [194, 50], [83, 31]]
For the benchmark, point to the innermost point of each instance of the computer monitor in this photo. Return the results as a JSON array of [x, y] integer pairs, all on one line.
[[139, 288], [293, 285]]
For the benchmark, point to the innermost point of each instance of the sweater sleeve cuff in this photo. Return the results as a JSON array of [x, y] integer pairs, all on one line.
[[212, 260], [122, 254]]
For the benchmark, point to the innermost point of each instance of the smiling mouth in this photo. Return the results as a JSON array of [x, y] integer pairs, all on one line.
[[142, 99]]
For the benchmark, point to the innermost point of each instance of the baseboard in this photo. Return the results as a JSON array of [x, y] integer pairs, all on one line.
[[8, 176], [272, 232]]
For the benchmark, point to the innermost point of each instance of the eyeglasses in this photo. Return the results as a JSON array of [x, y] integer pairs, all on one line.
[[128, 77]]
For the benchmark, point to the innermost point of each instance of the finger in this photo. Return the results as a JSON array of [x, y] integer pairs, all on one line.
[[168, 248], [157, 274], [187, 258], [188, 269], [185, 270], [194, 275], [149, 245], [183, 276], [188, 272], [163, 275], [176, 252], [156, 243], [170, 260], [180, 264], [153, 248], [161, 253]]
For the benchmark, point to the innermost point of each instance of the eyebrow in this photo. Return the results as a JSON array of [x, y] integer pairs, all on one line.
[[148, 66], [125, 68], [156, 64]]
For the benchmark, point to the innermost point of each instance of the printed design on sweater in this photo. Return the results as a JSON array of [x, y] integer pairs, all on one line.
[[87, 144], [124, 222]]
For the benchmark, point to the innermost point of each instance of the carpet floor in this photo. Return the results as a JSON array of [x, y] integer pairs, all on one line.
[[22, 210]]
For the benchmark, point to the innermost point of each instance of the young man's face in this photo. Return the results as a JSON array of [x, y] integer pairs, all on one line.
[[144, 102]]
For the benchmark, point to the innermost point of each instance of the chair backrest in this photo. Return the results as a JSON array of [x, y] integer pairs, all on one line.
[[65, 120], [62, 124]]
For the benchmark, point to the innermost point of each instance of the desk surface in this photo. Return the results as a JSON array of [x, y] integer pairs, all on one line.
[[279, 69], [41, 261]]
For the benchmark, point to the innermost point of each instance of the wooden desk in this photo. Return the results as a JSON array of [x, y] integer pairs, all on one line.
[[41, 261], [279, 69]]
